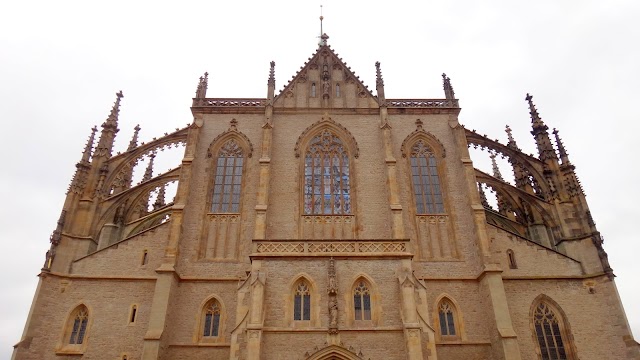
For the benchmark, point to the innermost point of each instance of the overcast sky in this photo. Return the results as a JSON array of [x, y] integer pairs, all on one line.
[[61, 63]]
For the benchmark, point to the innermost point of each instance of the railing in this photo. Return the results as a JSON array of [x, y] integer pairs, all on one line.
[[228, 102], [422, 103], [321, 247]]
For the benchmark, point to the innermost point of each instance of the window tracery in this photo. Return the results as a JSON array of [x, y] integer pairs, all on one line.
[[326, 180], [227, 181], [211, 319], [446, 315], [302, 302], [425, 179], [362, 301], [79, 325], [548, 333]]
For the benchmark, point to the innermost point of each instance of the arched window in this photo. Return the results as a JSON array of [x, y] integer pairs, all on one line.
[[313, 90], [326, 176], [302, 302], [512, 259], [446, 316], [133, 313], [426, 182], [362, 301], [211, 319], [548, 331], [77, 328], [228, 178], [337, 90]]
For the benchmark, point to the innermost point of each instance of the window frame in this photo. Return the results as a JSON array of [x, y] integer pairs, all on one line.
[[65, 345], [563, 327], [434, 169], [214, 170], [456, 316], [202, 322]]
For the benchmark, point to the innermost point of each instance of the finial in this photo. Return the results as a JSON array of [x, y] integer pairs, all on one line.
[[448, 89], [203, 84], [233, 124], [134, 139], [379, 81], [563, 152], [112, 120], [160, 198], [536, 121], [56, 235], [483, 197], [148, 174], [380, 85], [419, 124], [272, 73], [109, 130], [323, 36], [496, 170], [86, 154]]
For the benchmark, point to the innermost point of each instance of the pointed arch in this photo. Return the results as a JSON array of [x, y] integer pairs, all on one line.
[[430, 140], [302, 303], [363, 299], [76, 328], [551, 330], [332, 352], [211, 320], [448, 319], [327, 124]]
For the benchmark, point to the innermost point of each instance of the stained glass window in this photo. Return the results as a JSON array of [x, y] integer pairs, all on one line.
[[426, 182], [362, 302], [547, 327], [326, 177], [212, 319], [228, 179], [446, 315], [79, 329], [302, 302]]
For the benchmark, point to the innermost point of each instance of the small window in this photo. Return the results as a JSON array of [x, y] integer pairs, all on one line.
[[212, 319], [80, 319], [145, 257], [512, 259], [337, 90], [302, 302], [124, 357], [313, 90], [362, 302], [134, 312], [446, 317]]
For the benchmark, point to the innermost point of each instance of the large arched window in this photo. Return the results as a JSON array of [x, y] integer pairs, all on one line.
[[426, 182], [227, 182], [302, 301], [211, 321], [326, 176], [362, 301], [550, 333], [76, 329]]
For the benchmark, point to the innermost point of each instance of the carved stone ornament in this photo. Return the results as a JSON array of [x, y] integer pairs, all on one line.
[[330, 123], [421, 133]]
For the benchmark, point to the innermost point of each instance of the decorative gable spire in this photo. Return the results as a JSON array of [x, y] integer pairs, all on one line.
[[496, 169], [512, 143], [379, 84], [160, 202], [539, 132], [109, 130], [148, 174], [203, 84], [82, 167], [449, 94], [86, 154], [483, 197], [563, 153], [134, 139], [271, 83]]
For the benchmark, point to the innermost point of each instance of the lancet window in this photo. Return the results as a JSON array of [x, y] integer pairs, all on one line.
[[426, 182], [227, 181], [326, 176], [362, 301], [446, 316], [211, 319], [302, 302], [78, 328], [548, 331]]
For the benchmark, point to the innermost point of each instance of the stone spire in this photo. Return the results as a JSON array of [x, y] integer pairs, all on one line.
[[160, 202], [512, 143], [323, 37], [496, 170], [271, 83], [563, 153], [540, 134], [83, 166], [134, 139], [55, 239], [483, 197], [148, 174], [379, 84], [109, 130], [203, 84], [449, 94]]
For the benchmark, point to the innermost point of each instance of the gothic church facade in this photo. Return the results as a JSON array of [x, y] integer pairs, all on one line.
[[326, 222]]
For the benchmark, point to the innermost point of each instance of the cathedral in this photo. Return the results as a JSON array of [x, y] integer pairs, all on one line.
[[325, 221]]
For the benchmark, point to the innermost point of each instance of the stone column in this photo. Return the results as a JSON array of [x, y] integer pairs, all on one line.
[[256, 315], [492, 280], [412, 328]]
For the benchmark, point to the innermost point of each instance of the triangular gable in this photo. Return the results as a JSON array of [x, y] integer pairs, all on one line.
[[325, 82]]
